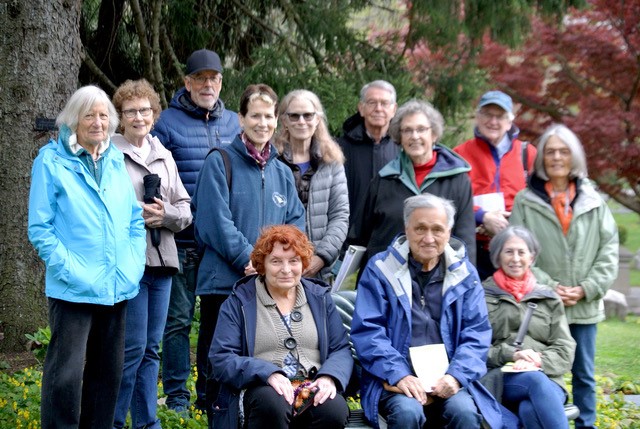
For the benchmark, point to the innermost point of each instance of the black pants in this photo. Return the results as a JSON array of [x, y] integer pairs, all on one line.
[[263, 404], [83, 366]]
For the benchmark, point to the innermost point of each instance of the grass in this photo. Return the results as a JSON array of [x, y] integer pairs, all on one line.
[[618, 349], [630, 222]]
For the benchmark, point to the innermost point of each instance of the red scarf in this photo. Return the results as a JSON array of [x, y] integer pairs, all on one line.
[[421, 171], [517, 288]]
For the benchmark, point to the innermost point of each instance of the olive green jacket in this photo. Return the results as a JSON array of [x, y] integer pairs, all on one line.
[[587, 256], [548, 331]]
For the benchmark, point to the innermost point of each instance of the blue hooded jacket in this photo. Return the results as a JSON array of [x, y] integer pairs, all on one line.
[[90, 235]]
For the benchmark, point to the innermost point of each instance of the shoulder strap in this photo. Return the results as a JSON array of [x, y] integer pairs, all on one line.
[[227, 163], [525, 161]]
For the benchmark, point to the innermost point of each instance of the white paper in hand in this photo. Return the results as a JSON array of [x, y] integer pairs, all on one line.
[[430, 362], [490, 202]]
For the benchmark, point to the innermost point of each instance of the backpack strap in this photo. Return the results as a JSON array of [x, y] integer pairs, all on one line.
[[525, 161], [227, 164]]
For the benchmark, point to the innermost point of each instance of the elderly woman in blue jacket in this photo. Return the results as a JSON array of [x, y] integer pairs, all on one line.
[[316, 161], [274, 329], [86, 224]]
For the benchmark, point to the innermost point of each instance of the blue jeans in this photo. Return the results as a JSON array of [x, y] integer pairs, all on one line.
[[146, 317], [402, 412], [83, 367], [538, 400], [176, 358], [583, 373]]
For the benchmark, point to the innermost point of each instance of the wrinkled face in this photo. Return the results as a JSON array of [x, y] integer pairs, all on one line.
[[93, 126], [428, 233], [204, 88], [493, 122], [557, 159], [301, 120], [377, 109], [515, 258], [137, 118], [283, 268], [260, 122], [416, 138]]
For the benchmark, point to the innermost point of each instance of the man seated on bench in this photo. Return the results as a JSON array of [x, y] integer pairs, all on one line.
[[423, 290]]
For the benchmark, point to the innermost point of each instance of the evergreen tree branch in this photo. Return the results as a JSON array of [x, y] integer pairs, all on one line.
[[145, 49], [91, 65]]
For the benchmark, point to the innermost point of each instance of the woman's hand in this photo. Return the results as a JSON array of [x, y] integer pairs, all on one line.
[[527, 359], [570, 295], [315, 265], [153, 214], [325, 388], [282, 385]]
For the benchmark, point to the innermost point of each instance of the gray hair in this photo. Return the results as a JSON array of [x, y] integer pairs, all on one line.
[[380, 84], [81, 102], [429, 201], [578, 158], [498, 241], [412, 107]]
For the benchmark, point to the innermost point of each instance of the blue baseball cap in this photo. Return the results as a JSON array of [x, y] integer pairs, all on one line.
[[498, 98], [203, 59]]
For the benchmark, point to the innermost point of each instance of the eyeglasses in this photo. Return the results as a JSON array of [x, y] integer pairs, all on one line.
[[295, 117], [131, 113], [408, 132], [201, 80], [488, 116], [372, 104]]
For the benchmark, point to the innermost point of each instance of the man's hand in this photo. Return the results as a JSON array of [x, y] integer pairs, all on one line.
[[494, 222], [570, 295], [412, 387], [446, 387], [249, 270]]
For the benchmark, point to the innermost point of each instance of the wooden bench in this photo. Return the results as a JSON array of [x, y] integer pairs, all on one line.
[[345, 302]]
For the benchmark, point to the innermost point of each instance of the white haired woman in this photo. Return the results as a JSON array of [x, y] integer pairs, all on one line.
[[86, 224], [579, 239], [316, 161]]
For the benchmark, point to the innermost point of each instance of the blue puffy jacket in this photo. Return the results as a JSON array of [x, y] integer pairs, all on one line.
[[90, 236], [381, 327], [190, 132], [227, 224]]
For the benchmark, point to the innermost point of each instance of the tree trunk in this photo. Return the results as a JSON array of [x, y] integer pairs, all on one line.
[[39, 62]]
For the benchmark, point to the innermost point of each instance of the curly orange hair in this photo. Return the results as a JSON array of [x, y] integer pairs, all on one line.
[[289, 236]]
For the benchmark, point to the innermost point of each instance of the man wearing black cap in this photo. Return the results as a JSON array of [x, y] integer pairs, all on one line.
[[497, 173], [195, 122]]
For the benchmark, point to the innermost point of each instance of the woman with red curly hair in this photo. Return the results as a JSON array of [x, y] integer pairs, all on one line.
[[275, 329]]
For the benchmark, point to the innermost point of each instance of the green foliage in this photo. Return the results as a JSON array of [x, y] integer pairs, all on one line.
[[40, 342], [20, 399], [617, 354]]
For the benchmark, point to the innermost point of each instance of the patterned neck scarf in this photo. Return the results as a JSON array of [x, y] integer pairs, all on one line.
[[261, 157], [561, 203]]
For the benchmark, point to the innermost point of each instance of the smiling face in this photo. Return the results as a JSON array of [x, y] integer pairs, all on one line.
[[557, 159], [416, 138], [300, 129], [136, 128], [259, 123], [427, 233], [377, 109], [515, 258], [283, 269], [493, 122], [204, 88], [93, 126]]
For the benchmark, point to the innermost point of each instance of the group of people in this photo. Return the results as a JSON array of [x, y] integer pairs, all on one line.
[[136, 211]]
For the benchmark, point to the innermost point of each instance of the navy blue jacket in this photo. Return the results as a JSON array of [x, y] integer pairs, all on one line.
[[189, 132], [227, 224], [234, 340]]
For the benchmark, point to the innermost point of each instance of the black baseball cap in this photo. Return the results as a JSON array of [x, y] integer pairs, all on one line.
[[203, 59]]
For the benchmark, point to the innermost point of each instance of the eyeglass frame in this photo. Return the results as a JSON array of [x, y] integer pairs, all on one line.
[[307, 116], [132, 113], [408, 132], [372, 104], [202, 80], [487, 116]]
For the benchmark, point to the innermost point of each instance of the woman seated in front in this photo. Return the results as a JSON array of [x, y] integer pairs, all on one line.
[[535, 389], [274, 329]]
